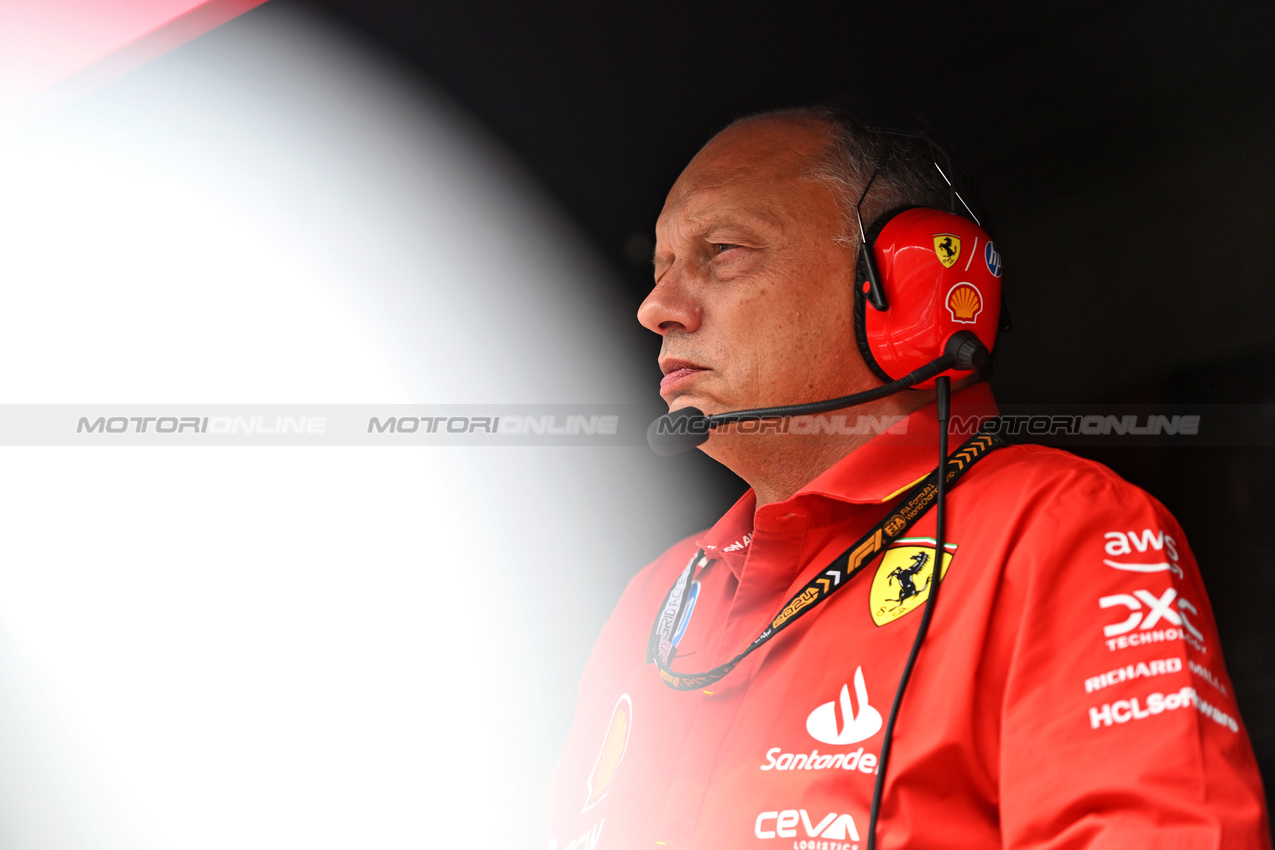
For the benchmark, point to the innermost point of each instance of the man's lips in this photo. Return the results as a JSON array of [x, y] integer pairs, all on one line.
[[677, 371]]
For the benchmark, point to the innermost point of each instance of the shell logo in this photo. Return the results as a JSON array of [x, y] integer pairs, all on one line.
[[614, 744], [964, 302]]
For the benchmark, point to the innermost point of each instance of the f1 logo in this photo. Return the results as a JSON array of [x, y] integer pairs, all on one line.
[[1157, 609]]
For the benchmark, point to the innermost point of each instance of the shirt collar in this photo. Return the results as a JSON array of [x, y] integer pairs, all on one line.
[[876, 472]]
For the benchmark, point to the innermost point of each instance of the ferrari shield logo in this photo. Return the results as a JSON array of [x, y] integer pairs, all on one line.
[[947, 247], [613, 747], [902, 582]]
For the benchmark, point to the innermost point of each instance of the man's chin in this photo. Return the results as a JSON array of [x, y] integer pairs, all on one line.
[[682, 402], [707, 406]]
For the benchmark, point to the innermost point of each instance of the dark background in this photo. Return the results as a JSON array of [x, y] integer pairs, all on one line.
[[1122, 149]]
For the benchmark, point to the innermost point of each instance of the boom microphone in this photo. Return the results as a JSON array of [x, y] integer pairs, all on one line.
[[688, 427]]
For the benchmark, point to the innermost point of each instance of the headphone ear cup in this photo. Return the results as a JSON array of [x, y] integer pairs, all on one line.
[[940, 273]]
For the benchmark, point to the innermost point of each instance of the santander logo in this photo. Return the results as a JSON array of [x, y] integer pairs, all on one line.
[[857, 726]]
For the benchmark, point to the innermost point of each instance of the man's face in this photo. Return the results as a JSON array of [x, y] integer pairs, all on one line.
[[753, 295]]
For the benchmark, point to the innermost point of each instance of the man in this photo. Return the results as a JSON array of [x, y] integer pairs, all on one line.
[[1070, 691]]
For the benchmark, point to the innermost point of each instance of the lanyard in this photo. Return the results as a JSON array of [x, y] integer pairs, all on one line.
[[844, 567]]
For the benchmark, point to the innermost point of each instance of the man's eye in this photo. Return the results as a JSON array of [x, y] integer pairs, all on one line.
[[722, 247]]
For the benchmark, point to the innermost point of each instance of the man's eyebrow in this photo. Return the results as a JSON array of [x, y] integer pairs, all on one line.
[[731, 224], [710, 222], [657, 261], [749, 221], [655, 255]]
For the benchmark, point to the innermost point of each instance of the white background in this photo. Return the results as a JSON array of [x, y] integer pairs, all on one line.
[[296, 647]]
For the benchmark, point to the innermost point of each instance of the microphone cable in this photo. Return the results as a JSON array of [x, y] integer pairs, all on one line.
[[943, 392], [688, 427]]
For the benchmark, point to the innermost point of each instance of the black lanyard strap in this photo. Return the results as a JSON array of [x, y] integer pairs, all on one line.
[[915, 502]]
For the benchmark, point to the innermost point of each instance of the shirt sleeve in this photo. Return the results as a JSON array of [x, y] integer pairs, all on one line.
[[1119, 723]]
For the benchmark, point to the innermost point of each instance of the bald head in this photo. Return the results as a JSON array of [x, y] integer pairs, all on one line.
[[754, 152], [900, 168], [781, 134]]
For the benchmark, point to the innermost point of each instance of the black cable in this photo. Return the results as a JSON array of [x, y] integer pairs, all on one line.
[[929, 370], [688, 427], [943, 392], [963, 352]]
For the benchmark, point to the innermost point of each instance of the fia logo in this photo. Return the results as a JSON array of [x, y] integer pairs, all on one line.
[[614, 743], [858, 726]]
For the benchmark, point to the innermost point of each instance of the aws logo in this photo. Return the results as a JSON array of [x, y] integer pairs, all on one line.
[[614, 744], [902, 582], [1148, 546]]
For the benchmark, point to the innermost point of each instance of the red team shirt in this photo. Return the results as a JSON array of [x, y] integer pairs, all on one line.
[[1070, 692]]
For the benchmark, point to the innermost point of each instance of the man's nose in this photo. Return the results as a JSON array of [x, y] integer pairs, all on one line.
[[671, 306]]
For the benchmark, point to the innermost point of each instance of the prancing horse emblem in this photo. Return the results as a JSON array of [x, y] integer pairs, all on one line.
[[947, 247], [904, 575], [903, 579]]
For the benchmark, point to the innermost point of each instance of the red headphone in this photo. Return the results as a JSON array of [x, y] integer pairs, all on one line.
[[924, 274]]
